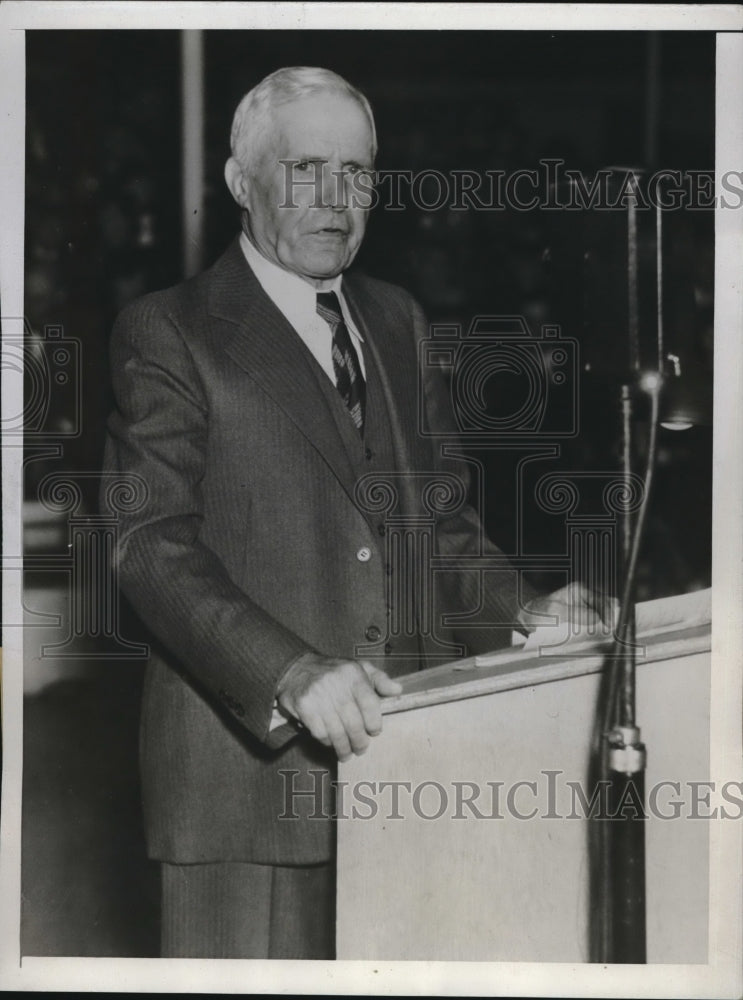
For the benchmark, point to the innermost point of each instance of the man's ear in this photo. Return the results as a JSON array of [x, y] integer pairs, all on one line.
[[236, 181]]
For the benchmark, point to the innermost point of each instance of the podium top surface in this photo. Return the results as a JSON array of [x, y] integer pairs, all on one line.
[[515, 668]]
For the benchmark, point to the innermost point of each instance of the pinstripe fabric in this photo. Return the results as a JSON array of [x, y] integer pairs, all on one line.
[[373, 456], [243, 910], [244, 556]]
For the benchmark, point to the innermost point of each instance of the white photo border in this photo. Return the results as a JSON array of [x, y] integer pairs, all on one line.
[[722, 976]]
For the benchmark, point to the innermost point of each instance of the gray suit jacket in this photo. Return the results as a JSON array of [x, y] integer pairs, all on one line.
[[246, 552]]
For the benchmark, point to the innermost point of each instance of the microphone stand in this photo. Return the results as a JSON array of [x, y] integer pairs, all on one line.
[[619, 753]]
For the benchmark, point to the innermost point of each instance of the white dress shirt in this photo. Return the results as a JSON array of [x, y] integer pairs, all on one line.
[[297, 300]]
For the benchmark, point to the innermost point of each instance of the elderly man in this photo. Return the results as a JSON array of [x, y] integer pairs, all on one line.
[[253, 400]]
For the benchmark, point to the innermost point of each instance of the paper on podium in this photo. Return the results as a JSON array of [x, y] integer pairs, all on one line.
[[665, 614]]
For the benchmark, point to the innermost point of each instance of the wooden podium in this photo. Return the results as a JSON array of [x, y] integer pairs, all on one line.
[[482, 855]]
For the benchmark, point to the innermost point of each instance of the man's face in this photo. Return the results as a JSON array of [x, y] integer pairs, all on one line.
[[328, 139]]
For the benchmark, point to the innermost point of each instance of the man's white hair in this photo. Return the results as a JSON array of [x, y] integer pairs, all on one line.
[[252, 122]]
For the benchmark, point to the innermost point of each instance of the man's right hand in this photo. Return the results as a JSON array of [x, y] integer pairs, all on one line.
[[337, 700]]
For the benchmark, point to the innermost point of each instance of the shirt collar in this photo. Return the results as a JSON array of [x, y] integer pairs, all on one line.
[[294, 296]]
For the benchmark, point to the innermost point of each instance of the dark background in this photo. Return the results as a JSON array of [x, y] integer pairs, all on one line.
[[103, 226]]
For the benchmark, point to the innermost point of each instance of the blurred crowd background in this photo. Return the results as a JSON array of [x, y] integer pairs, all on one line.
[[104, 225]]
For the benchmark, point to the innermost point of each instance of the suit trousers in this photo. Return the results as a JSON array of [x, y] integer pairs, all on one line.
[[242, 910]]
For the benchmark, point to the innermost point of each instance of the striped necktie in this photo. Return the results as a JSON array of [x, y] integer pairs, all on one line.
[[348, 376]]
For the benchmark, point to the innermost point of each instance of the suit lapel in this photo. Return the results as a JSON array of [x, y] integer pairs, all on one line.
[[266, 347], [393, 350]]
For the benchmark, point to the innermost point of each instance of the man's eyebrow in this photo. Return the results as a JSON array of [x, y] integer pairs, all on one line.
[[315, 158], [290, 161]]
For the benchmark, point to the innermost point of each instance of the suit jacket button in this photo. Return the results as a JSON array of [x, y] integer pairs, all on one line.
[[368, 454], [364, 554], [387, 649], [373, 633]]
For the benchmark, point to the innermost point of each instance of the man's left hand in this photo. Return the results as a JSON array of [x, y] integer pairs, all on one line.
[[574, 603]]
